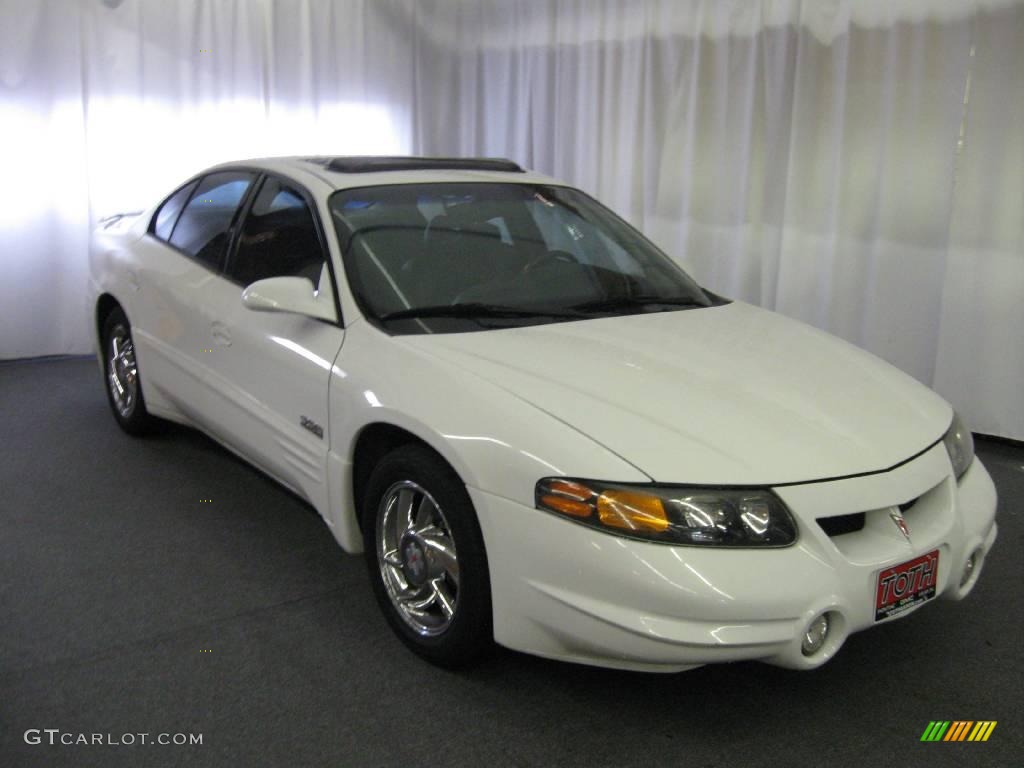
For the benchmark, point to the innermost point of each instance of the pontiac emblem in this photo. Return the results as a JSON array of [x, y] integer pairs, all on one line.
[[901, 523]]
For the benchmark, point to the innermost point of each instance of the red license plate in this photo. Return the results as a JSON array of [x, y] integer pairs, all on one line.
[[906, 585]]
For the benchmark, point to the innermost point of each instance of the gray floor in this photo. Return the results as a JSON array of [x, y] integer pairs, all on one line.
[[114, 578]]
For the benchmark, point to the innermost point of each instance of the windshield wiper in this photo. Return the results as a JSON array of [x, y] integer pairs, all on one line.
[[476, 309], [632, 302]]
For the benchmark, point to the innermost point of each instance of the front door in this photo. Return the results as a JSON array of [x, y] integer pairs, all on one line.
[[277, 367]]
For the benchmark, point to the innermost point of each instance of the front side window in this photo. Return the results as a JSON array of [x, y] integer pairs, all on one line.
[[204, 228], [447, 257], [278, 238]]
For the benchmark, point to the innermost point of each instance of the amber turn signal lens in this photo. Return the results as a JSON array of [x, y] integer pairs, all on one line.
[[568, 497], [632, 511]]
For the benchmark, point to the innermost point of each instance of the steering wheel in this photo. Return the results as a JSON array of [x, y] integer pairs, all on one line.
[[547, 259]]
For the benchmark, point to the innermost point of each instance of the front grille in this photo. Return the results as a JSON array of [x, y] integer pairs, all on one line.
[[905, 507], [872, 534], [841, 524]]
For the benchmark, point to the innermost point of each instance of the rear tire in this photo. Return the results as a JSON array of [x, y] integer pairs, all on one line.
[[426, 558], [121, 375]]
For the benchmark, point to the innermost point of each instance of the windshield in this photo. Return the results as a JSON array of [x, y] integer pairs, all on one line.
[[450, 257]]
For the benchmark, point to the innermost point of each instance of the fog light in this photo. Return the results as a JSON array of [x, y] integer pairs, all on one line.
[[814, 637], [969, 567]]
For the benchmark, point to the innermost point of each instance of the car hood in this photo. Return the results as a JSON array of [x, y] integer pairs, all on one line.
[[726, 395]]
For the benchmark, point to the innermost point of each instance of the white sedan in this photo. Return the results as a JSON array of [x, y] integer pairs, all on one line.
[[537, 427]]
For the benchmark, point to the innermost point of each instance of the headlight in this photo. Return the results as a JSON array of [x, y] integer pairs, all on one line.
[[672, 515], [959, 445]]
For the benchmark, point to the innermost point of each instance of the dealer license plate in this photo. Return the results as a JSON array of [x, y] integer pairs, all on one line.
[[906, 585]]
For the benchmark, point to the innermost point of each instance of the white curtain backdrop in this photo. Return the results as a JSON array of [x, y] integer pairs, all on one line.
[[857, 165], [105, 106], [816, 158]]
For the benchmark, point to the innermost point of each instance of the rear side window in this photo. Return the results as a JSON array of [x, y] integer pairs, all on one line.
[[278, 239], [204, 227], [168, 213]]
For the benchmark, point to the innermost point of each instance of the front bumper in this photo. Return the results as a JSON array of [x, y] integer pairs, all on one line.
[[565, 591]]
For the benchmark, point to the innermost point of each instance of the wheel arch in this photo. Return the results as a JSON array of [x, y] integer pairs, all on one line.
[[350, 465], [371, 444], [105, 304]]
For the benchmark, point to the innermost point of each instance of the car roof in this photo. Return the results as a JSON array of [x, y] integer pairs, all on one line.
[[348, 172]]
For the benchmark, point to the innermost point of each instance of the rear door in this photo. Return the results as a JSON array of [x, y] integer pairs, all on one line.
[[178, 269], [276, 366]]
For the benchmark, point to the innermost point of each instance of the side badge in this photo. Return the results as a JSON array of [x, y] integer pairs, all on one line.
[[312, 426]]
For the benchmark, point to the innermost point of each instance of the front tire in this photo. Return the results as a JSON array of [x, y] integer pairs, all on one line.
[[121, 374], [426, 558]]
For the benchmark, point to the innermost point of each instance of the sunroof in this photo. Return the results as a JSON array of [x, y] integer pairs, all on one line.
[[375, 164]]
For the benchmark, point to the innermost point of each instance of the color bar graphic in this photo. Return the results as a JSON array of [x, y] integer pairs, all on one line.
[[982, 730], [958, 730], [935, 730]]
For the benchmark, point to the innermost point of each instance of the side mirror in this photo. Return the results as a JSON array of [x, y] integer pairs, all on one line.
[[289, 294]]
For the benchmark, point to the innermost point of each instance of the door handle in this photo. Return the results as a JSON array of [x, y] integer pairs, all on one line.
[[220, 333]]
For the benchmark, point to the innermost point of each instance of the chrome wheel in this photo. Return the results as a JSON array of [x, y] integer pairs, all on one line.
[[122, 372], [417, 559]]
